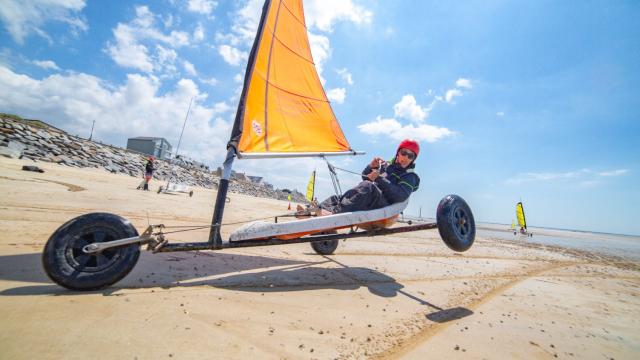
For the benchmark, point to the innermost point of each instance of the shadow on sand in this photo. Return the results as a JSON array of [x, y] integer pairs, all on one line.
[[223, 270]]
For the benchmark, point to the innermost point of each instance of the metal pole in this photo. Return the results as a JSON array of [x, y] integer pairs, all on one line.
[[215, 240], [183, 125], [90, 136]]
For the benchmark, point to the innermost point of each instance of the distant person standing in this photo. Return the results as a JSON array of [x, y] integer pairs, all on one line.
[[148, 174]]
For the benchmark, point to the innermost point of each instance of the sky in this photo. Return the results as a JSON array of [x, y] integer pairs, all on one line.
[[534, 101]]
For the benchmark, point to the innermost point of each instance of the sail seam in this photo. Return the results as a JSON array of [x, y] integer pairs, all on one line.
[[290, 49], [290, 92], [298, 95], [295, 17], [266, 91]]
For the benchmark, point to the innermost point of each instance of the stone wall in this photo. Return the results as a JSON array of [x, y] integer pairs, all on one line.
[[35, 140]]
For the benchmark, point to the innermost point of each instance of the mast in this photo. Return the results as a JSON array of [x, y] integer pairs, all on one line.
[[183, 126], [175, 157], [215, 240]]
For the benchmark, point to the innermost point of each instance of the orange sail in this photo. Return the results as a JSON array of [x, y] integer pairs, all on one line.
[[283, 109]]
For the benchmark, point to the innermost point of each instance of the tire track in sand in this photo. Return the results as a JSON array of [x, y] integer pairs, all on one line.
[[405, 346]]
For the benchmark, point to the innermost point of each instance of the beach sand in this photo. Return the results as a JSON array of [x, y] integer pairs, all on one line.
[[402, 296]]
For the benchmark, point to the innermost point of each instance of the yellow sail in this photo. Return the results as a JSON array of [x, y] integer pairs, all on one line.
[[283, 107], [520, 215], [311, 186]]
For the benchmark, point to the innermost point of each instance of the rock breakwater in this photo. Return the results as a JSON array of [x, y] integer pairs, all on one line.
[[38, 141]]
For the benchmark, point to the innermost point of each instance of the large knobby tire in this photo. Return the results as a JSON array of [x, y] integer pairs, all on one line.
[[455, 223], [67, 265], [326, 247]]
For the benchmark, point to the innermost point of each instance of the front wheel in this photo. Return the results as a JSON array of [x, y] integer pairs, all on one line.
[[69, 266], [456, 225]]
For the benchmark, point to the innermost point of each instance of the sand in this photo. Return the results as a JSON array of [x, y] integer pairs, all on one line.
[[403, 296]]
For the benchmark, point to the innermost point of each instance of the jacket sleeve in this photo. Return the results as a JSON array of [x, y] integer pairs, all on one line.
[[400, 192], [365, 172]]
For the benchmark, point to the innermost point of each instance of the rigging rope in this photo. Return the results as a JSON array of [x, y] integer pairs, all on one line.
[[348, 171], [199, 227]]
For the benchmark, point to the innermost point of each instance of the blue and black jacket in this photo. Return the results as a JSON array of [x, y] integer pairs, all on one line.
[[396, 182]]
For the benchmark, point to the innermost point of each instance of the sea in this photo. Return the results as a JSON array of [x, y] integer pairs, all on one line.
[[623, 246]]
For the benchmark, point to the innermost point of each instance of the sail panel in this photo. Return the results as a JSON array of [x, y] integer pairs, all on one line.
[[300, 124], [296, 9], [311, 186], [293, 37], [520, 215], [283, 107], [292, 73], [254, 128]]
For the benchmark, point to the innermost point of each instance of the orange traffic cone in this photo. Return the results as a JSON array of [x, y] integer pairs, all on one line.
[[289, 208]]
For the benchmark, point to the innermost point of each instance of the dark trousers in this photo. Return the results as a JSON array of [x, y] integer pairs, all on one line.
[[365, 196]]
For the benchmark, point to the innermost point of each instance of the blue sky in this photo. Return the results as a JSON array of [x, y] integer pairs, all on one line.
[[529, 100]]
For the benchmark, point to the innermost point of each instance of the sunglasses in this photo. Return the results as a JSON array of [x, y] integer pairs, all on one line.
[[408, 154]]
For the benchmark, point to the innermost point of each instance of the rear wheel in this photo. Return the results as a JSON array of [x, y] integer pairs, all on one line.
[[325, 247], [455, 223], [68, 265]]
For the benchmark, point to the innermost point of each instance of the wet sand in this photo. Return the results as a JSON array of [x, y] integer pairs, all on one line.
[[403, 296]]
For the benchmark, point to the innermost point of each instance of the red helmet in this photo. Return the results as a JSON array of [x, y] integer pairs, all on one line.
[[410, 144], [152, 158]]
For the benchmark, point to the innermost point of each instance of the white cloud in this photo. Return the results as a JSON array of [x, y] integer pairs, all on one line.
[[168, 21], [500, 113], [337, 95], [393, 129], [345, 75], [321, 51], [464, 83], [221, 107], [127, 52], [23, 18], [585, 176], [408, 108], [229, 38], [165, 60], [324, 13], [232, 55], [189, 68], [211, 81], [132, 42], [618, 172], [133, 108], [204, 7], [544, 176], [46, 64], [198, 33], [451, 93], [245, 24], [238, 78]]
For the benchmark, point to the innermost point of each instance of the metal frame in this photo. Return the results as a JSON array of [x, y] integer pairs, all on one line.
[[158, 243]]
